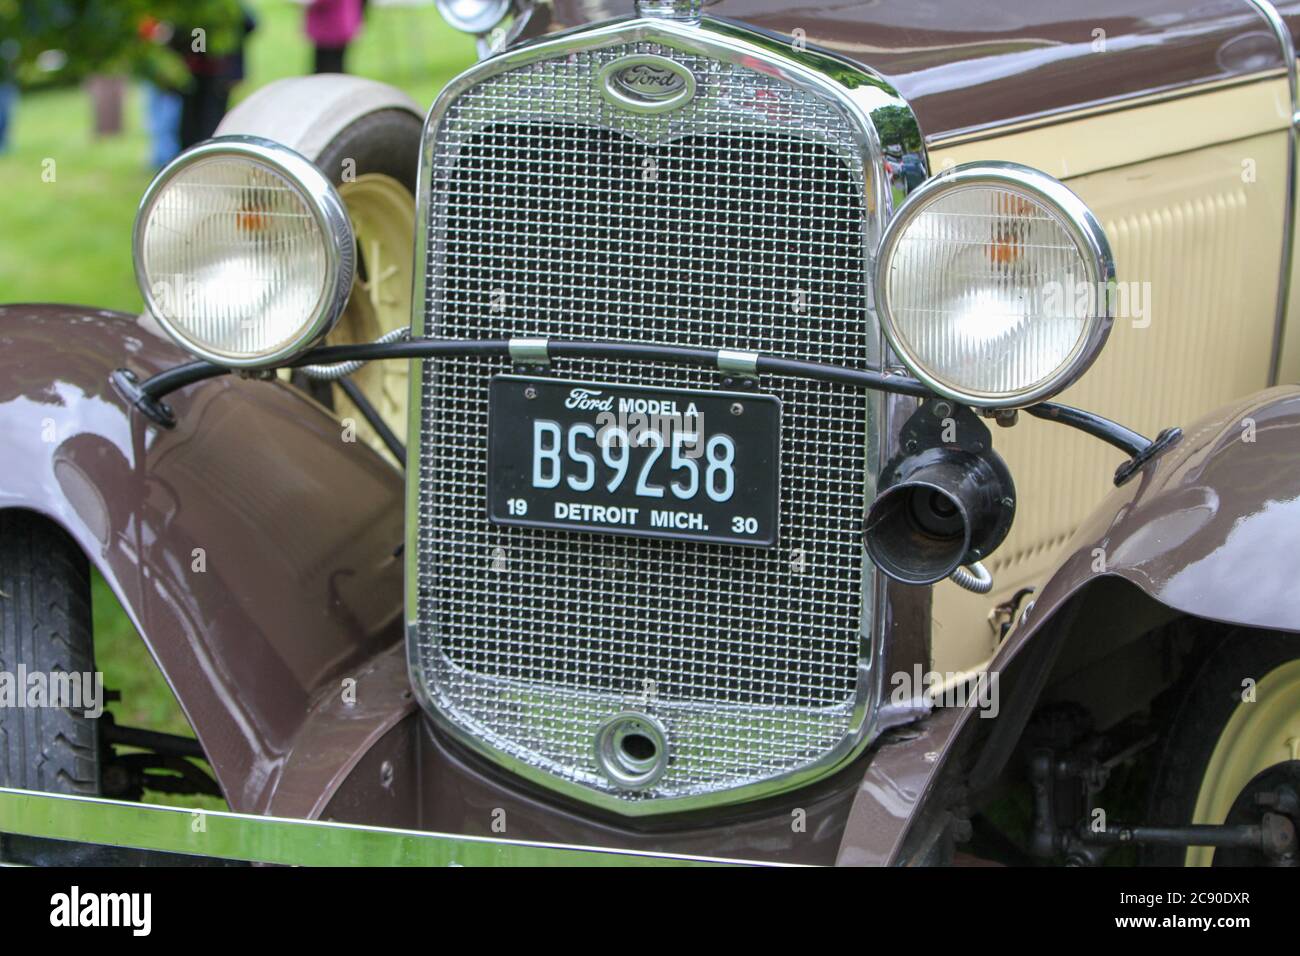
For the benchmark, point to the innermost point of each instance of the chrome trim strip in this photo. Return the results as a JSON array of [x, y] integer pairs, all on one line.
[[1280, 30], [1088, 235], [257, 839], [1287, 43], [327, 208], [872, 104]]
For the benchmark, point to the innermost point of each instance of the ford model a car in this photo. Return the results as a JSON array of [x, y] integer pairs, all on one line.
[[742, 514]]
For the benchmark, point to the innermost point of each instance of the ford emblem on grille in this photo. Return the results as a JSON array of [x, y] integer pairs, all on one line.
[[647, 83]]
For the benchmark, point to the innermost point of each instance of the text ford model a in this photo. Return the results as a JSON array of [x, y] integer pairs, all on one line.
[[739, 513]]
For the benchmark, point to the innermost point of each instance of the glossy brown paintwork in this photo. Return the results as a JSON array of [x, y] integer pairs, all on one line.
[[381, 762], [894, 787], [300, 594], [297, 527], [965, 65], [1210, 529], [456, 792]]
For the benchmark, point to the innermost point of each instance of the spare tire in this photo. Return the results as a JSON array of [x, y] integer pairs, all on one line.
[[365, 136]]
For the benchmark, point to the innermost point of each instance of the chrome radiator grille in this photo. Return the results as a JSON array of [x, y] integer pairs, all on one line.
[[736, 221]]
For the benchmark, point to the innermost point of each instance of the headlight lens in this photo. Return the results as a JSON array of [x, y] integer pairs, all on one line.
[[243, 252], [994, 285]]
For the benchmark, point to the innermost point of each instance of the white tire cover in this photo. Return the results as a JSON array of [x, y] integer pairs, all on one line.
[[306, 113]]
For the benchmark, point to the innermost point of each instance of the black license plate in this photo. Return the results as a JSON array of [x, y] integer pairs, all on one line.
[[631, 460]]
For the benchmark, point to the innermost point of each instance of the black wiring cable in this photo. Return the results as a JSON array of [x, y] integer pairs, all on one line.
[[154, 389]]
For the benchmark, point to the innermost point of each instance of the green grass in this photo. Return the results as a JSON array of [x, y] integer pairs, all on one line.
[[410, 47], [69, 240], [129, 669]]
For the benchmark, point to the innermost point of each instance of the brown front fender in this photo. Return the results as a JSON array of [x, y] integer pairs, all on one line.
[[1209, 530], [253, 548]]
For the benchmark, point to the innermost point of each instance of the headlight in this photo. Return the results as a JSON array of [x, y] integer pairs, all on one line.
[[243, 252], [993, 283], [473, 16]]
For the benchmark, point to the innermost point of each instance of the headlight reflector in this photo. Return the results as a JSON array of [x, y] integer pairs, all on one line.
[[243, 252], [993, 283]]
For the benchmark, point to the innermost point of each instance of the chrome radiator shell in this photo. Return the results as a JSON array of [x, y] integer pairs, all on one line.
[[509, 690]]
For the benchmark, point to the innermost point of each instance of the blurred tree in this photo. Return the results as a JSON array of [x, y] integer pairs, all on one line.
[[896, 125], [63, 41]]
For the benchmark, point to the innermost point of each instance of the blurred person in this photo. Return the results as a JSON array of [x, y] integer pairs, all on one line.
[[331, 25], [106, 91], [162, 102], [9, 49], [8, 96], [163, 121], [213, 76]]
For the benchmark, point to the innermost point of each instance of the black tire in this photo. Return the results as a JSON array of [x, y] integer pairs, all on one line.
[[45, 625], [1207, 702]]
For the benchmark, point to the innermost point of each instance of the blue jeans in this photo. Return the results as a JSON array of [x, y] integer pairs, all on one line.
[[8, 97], [162, 113]]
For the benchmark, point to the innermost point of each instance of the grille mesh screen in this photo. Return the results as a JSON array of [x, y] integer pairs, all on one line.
[[736, 221]]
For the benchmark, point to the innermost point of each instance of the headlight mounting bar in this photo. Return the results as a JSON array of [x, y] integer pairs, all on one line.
[[147, 396]]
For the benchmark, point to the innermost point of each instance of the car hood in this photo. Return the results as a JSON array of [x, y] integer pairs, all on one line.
[[971, 65]]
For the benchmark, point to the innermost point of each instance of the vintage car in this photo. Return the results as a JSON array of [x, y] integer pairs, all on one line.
[[694, 437]]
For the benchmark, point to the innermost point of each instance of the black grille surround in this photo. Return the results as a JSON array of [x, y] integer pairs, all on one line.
[[734, 222]]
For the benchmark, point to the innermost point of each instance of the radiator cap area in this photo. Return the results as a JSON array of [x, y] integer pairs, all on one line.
[[686, 10]]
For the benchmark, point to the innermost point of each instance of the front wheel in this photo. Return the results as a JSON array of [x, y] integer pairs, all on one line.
[[1233, 744], [47, 741], [45, 632]]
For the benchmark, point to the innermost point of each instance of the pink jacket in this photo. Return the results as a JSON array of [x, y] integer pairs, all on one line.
[[333, 23]]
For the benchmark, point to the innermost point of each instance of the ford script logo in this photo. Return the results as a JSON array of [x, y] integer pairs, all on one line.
[[588, 399], [647, 83]]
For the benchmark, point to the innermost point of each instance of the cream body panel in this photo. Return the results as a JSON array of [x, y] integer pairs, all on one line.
[[1132, 134], [1197, 238]]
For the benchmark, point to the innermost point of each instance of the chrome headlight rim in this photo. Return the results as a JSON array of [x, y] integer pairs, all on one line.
[[492, 13], [1080, 224], [326, 207]]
